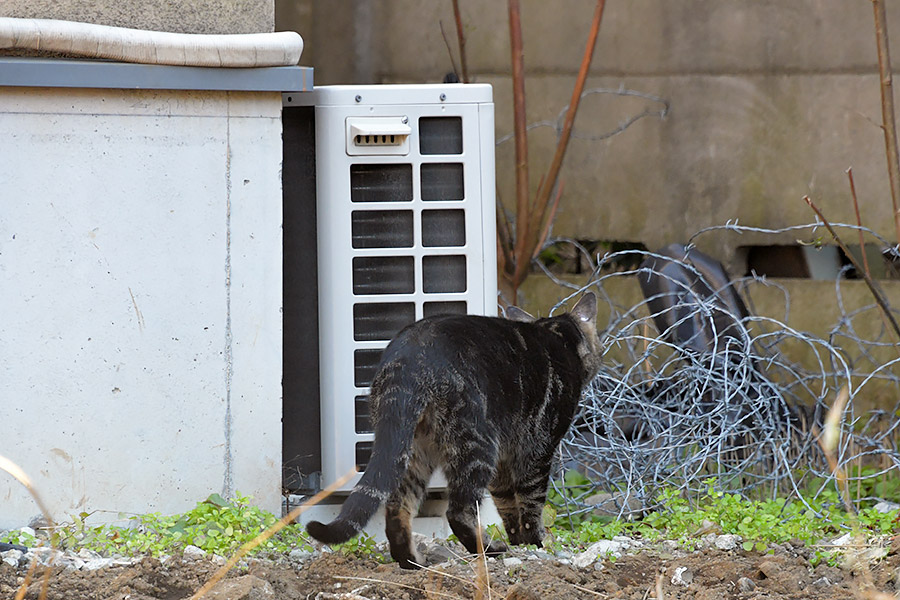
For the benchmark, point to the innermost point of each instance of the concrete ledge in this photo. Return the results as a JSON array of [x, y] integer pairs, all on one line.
[[61, 73]]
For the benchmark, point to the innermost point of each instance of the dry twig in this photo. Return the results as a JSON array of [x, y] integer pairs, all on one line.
[[19, 475], [461, 39]]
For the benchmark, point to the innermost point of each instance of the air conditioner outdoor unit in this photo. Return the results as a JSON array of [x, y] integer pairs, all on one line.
[[392, 205]]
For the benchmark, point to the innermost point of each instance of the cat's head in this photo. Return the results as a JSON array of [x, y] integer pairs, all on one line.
[[584, 314]]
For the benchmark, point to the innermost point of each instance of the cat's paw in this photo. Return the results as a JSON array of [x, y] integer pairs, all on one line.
[[406, 558]]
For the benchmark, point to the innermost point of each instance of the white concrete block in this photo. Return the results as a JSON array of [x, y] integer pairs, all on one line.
[[131, 365]]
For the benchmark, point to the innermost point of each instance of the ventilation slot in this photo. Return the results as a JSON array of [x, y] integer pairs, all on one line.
[[377, 140], [365, 363], [430, 309], [443, 274], [442, 181], [381, 183], [443, 228], [374, 322], [440, 135], [363, 454], [377, 135], [363, 414], [383, 275], [382, 228]]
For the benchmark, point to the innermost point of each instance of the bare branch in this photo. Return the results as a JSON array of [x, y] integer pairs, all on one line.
[[461, 39], [887, 109]]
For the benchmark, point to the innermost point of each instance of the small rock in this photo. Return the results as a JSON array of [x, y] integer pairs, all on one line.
[[583, 559], [564, 554], [871, 555], [885, 507], [299, 554], [88, 554], [600, 550], [727, 542], [40, 522], [193, 553], [12, 557], [770, 569], [541, 554], [746, 585], [71, 563], [27, 531], [564, 561], [47, 556], [682, 576], [246, 587], [822, 582], [843, 540], [511, 562], [96, 563], [438, 554]]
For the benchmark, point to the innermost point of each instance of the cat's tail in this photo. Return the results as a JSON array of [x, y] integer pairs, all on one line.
[[390, 456]]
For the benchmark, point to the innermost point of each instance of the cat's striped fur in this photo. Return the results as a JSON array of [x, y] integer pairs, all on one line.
[[487, 400]]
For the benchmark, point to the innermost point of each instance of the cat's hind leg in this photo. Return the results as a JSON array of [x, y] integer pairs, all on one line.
[[403, 505], [531, 496], [503, 491], [469, 472]]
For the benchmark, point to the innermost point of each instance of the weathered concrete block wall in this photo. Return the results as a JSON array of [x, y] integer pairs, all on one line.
[[769, 100], [140, 298], [180, 16]]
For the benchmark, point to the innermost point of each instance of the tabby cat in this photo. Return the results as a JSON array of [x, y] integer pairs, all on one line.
[[487, 400]]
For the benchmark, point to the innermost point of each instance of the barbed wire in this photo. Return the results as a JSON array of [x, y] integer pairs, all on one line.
[[740, 398]]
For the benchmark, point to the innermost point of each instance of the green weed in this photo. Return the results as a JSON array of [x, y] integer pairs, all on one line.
[[215, 525]]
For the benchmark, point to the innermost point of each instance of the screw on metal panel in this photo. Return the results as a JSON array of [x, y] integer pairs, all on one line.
[[404, 120], [358, 98], [443, 97]]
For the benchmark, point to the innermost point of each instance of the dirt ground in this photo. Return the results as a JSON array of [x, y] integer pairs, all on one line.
[[707, 574]]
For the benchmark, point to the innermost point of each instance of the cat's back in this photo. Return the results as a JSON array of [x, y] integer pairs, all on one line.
[[482, 344], [472, 335]]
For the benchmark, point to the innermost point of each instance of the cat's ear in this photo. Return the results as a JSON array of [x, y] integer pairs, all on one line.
[[586, 309], [514, 313]]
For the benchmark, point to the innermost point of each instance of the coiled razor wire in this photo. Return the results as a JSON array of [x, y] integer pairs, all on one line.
[[663, 414]]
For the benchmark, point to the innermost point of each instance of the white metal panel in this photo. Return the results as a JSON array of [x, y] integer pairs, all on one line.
[[472, 104]]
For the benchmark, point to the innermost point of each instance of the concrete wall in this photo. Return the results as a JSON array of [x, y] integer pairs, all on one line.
[[140, 298], [180, 16], [769, 100]]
